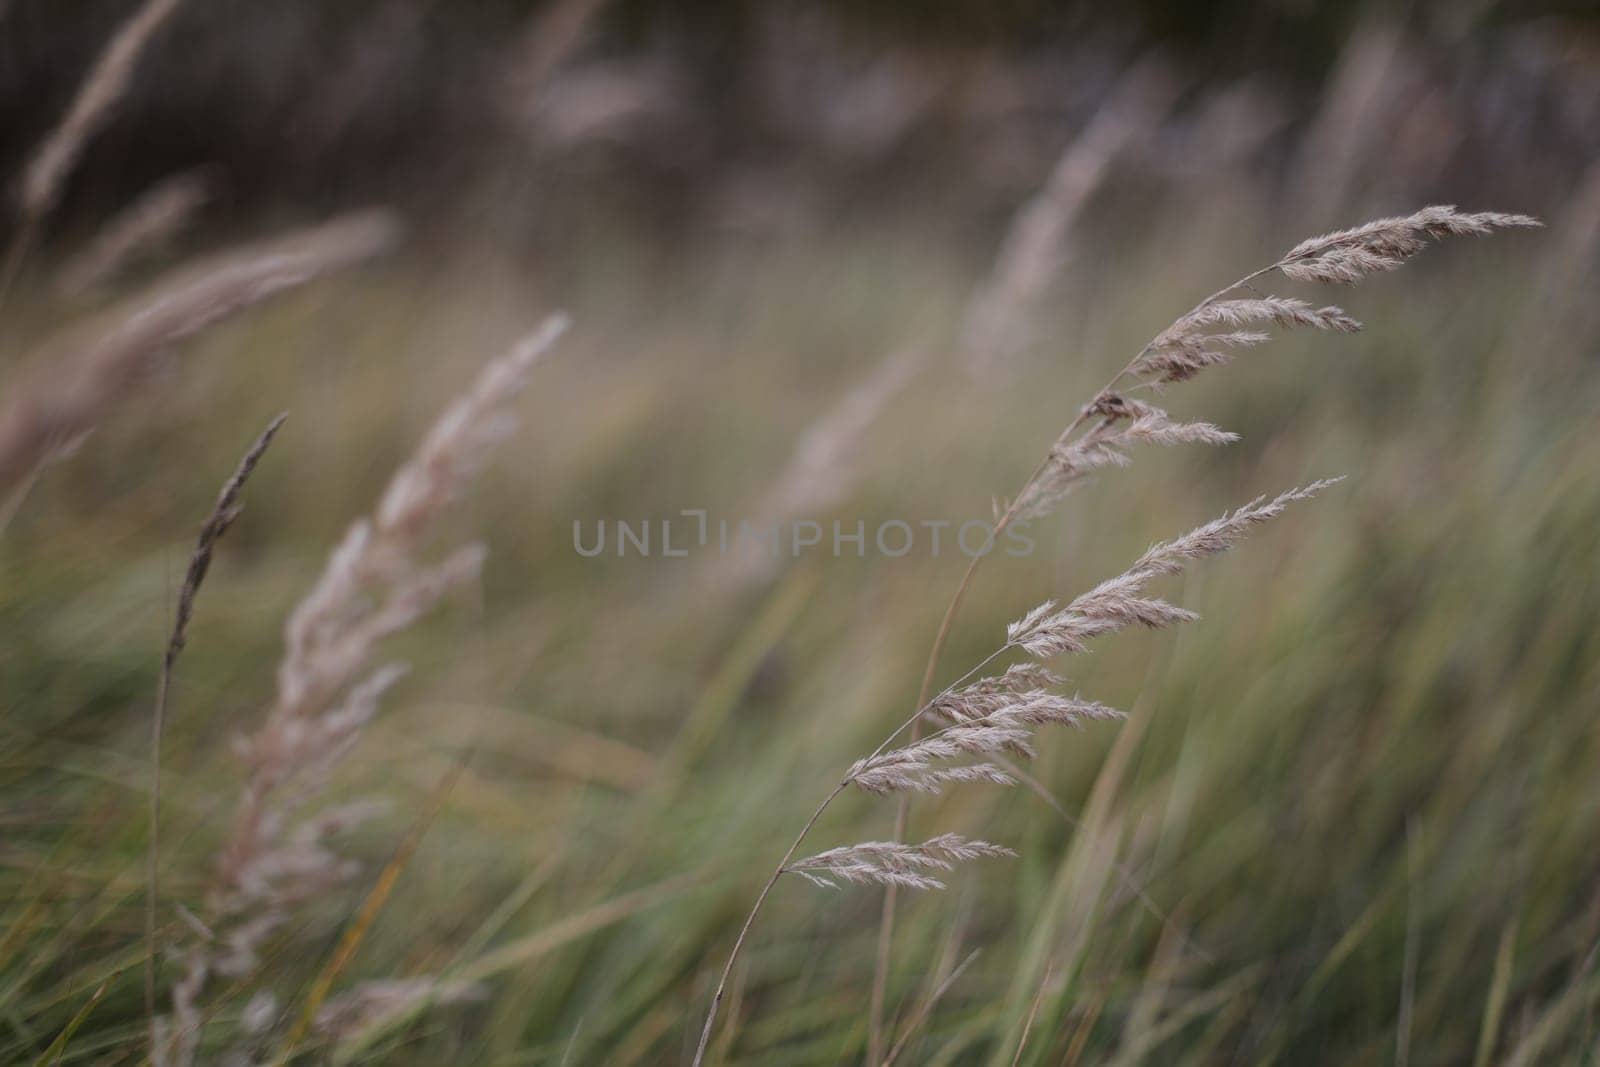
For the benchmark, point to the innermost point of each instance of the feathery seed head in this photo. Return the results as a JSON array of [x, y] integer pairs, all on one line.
[[1116, 603], [893, 863], [374, 585], [1347, 256]]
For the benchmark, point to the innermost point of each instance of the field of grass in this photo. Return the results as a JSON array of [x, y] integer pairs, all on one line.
[[1351, 818]]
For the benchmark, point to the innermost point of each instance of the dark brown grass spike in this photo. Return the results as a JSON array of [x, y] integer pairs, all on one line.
[[222, 517]]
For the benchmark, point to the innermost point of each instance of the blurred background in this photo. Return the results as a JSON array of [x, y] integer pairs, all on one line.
[[829, 261]]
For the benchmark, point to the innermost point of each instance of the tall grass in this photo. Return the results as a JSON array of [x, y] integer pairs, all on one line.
[[1358, 804], [996, 716]]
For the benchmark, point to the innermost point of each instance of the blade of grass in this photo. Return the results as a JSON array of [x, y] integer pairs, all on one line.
[[58, 1047], [1499, 987], [524, 950], [926, 1008]]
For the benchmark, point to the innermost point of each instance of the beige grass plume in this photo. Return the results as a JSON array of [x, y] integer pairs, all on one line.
[[1208, 335], [821, 471], [823, 467], [47, 170], [893, 863], [826, 465], [1347, 256], [280, 852], [79, 378], [54, 159], [1213, 332], [999, 715], [997, 323], [143, 227], [544, 42]]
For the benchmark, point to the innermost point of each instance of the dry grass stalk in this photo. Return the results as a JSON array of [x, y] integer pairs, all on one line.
[[927, 1006], [1105, 428], [996, 327], [78, 379], [1003, 714], [1347, 256], [375, 584], [823, 470], [548, 38], [330, 1017], [52, 162], [1033, 1011], [826, 464], [996, 715], [54, 159], [1124, 422], [1193, 343], [1119, 603], [222, 517], [1095, 439], [1000, 714], [1354, 117], [143, 227]]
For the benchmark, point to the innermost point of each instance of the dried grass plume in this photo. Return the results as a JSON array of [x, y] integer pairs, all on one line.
[[143, 227], [280, 852], [79, 378]]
